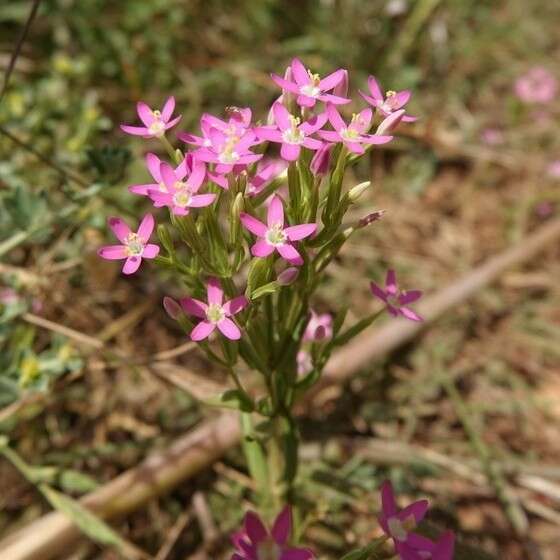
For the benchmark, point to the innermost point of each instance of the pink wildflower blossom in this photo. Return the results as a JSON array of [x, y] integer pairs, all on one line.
[[398, 524], [352, 135], [390, 102], [274, 236], [537, 86], [155, 122], [215, 313], [135, 246], [422, 548], [319, 327], [291, 132], [266, 172], [492, 136], [396, 300], [180, 195], [310, 87], [255, 542]]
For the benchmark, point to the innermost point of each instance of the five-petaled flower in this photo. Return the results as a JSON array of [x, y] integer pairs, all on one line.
[[395, 300], [215, 313], [398, 524], [274, 236], [155, 122], [180, 195], [310, 87], [390, 102], [291, 132], [255, 542], [354, 134], [135, 246]]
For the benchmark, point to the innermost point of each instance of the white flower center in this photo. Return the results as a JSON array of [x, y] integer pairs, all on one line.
[[268, 550], [162, 187], [134, 245], [293, 136], [349, 133], [157, 128], [311, 90], [397, 530], [275, 236], [390, 103], [182, 198], [215, 313]]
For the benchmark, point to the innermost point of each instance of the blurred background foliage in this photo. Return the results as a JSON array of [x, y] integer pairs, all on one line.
[[64, 166]]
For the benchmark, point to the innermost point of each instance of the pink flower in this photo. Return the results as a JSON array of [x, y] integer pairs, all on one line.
[[255, 542], [228, 151], [180, 195], [304, 362], [135, 246], [492, 136], [553, 169], [422, 548], [538, 85], [352, 135], [172, 308], [398, 524], [215, 313], [395, 299], [309, 87], [274, 236], [155, 122], [291, 132], [390, 102], [319, 327], [265, 174]]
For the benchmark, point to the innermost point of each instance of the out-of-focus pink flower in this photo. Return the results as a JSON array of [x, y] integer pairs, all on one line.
[[274, 236], [352, 135], [390, 102], [309, 87], [395, 300], [135, 246], [536, 86], [304, 362], [180, 195], [544, 209], [553, 169], [422, 548], [215, 313], [8, 296], [255, 542], [266, 172], [155, 122], [291, 132], [492, 136], [319, 327]]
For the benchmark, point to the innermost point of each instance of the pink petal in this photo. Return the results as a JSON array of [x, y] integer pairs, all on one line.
[[194, 307], [391, 122], [161, 198], [247, 158], [388, 504], [153, 163], [261, 249], [143, 189], [375, 89], [168, 109], [369, 99], [168, 175], [229, 329], [113, 252], [282, 526], [376, 139], [409, 118], [334, 99], [269, 133], [281, 116], [314, 124], [364, 116], [334, 118], [201, 200], [391, 282], [136, 130], [378, 292], [290, 152], [354, 147], [146, 227], [295, 233], [284, 84], [296, 554], [417, 509], [299, 72], [131, 265], [255, 226], [401, 98], [306, 101], [151, 251], [214, 291], [172, 123], [312, 144], [409, 296], [330, 81], [119, 228], [197, 175], [275, 214], [202, 331], [290, 253], [235, 305], [411, 315], [254, 528], [444, 547], [191, 139], [329, 135], [145, 113]]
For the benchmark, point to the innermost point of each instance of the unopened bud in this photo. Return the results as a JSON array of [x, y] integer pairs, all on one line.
[[355, 192], [321, 160], [172, 308], [235, 222], [288, 276], [341, 89], [370, 218], [391, 122]]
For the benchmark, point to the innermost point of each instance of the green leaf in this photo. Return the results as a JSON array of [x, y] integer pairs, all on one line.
[[238, 399], [366, 553], [269, 288]]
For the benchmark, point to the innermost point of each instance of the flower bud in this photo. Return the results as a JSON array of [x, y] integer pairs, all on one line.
[[355, 192], [370, 218], [341, 89], [390, 123], [172, 308], [321, 160], [288, 276], [319, 327]]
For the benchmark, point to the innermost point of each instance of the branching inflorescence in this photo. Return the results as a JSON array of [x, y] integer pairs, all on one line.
[[250, 237]]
